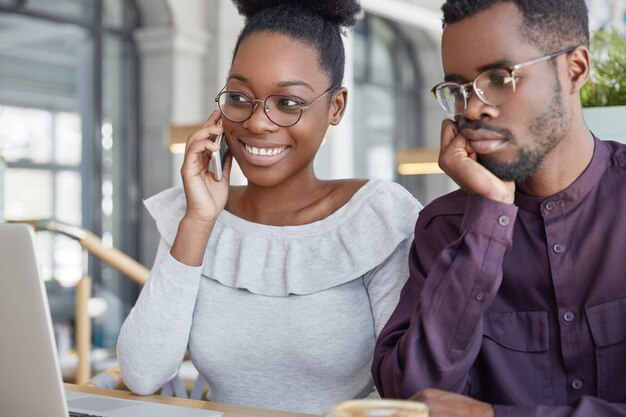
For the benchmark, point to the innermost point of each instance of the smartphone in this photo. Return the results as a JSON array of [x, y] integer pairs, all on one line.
[[217, 158]]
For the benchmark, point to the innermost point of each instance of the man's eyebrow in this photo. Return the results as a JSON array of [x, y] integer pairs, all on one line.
[[503, 63]]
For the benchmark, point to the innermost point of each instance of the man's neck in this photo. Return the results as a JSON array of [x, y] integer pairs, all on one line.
[[561, 167]]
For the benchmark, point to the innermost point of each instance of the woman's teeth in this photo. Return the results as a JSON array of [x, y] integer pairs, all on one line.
[[265, 151]]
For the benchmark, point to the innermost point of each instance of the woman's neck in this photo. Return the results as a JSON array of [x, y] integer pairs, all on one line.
[[291, 203]]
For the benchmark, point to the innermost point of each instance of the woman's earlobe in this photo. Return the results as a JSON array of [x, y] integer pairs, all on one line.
[[338, 106]]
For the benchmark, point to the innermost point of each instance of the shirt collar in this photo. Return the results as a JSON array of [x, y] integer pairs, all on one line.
[[561, 201]]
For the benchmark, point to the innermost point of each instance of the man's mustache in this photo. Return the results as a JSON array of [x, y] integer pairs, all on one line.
[[478, 125]]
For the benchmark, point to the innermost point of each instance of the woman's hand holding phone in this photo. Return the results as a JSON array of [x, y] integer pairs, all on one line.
[[218, 158], [206, 196]]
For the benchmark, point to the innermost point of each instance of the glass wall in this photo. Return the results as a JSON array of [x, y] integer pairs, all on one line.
[[41, 130], [68, 134], [386, 100]]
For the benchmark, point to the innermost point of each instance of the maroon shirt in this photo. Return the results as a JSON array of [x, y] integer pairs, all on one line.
[[522, 306]]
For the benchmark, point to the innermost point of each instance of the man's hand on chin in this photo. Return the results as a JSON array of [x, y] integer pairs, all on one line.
[[449, 404]]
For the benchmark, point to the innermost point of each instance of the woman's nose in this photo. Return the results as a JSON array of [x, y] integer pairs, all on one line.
[[259, 121]]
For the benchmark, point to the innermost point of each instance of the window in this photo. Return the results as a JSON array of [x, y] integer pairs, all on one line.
[[385, 97], [68, 129], [43, 149]]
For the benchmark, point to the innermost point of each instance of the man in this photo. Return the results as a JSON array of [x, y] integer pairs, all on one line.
[[517, 296]]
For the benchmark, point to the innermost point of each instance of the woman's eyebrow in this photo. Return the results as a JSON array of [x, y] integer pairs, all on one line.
[[296, 83], [288, 83], [239, 78]]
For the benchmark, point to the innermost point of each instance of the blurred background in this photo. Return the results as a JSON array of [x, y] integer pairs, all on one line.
[[94, 95]]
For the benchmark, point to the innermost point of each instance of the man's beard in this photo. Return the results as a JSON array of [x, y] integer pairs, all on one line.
[[550, 125], [527, 163]]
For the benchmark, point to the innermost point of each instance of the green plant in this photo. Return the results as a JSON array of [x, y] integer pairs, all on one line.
[[607, 81]]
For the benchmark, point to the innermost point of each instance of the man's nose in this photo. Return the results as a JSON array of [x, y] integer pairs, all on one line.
[[476, 108]]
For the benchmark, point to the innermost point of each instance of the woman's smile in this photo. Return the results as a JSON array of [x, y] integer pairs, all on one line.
[[263, 154]]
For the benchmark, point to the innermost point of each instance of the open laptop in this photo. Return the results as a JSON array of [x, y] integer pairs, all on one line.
[[30, 376]]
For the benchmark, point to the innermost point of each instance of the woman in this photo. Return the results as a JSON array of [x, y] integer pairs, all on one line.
[[277, 288]]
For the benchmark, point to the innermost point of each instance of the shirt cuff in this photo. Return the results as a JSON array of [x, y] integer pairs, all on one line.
[[176, 266], [489, 217], [178, 275]]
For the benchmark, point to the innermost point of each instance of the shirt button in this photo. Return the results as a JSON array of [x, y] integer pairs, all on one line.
[[550, 205], [568, 316], [480, 296], [577, 384], [503, 220], [558, 248]]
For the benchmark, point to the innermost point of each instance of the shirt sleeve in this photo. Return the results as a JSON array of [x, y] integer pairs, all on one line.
[[434, 335], [588, 406], [154, 336], [384, 283]]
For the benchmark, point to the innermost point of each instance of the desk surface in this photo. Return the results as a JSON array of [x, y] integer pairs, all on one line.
[[228, 409]]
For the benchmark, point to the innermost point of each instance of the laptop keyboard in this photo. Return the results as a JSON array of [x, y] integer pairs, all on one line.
[[75, 414]]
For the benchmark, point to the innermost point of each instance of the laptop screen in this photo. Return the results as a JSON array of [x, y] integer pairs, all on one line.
[[28, 359]]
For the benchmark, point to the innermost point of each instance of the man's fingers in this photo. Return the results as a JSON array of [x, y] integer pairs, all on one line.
[[427, 394], [449, 131]]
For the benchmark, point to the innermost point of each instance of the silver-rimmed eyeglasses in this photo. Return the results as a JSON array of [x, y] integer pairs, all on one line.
[[494, 87], [282, 110]]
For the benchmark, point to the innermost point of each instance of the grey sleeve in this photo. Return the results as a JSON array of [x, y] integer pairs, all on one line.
[[385, 282], [154, 336]]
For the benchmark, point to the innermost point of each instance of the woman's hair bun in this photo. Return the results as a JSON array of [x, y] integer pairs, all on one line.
[[342, 13]]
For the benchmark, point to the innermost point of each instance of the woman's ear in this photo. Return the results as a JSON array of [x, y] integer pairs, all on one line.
[[578, 66], [338, 106]]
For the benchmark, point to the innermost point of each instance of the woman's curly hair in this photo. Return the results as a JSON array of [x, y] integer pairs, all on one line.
[[318, 23]]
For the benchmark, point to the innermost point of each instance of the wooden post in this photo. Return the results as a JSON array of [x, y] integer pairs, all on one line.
[[83, 330]]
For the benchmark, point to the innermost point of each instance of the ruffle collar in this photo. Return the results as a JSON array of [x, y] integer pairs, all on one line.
[[278, 261]]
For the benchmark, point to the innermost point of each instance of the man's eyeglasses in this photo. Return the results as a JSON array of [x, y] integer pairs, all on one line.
[[493, 87], [284, 111]]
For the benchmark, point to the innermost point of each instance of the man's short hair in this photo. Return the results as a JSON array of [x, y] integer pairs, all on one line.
[[551, 25]]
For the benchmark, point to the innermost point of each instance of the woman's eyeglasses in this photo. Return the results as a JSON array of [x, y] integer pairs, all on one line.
[[493, 87], [284, 111]]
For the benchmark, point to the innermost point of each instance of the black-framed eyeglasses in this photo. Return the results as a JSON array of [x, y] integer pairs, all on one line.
[[494, 87], [285, 111]]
